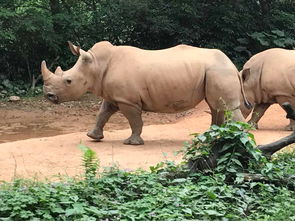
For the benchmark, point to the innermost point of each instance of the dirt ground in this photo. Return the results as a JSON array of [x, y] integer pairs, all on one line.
[[36, 117], [39, 139]]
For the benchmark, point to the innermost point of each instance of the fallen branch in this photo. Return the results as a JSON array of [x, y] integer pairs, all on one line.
[[269, 149]]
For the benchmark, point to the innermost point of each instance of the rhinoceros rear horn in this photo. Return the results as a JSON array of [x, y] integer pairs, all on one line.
[[58, 71], [86, 56], [45, 72], [74, 49]]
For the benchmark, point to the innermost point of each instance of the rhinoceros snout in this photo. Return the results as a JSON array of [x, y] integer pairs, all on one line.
[[52, 97]]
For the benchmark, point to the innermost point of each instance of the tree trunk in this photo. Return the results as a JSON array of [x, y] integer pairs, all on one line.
[[265, 6], [55, 9]]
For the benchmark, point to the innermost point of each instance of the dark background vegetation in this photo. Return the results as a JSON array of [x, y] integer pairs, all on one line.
[[33, 30]]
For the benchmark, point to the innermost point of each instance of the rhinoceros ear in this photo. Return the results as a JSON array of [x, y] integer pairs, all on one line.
[[245, 74], [74, 49]]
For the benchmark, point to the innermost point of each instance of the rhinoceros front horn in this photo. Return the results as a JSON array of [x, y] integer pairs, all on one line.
[[45, 72]]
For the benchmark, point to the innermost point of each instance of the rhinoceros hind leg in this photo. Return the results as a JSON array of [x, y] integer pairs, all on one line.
[[133, 115], [106, 110], [258, 112], [213, 113], [217, 117]]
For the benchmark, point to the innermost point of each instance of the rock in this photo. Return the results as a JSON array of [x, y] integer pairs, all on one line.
[[14, 98]]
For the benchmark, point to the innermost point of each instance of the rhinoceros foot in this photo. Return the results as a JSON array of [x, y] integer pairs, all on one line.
[[95, 135], [134, 140]]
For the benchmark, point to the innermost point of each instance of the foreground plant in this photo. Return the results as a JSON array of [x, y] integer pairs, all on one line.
[[228, 147], [142, 195], [90, 162]]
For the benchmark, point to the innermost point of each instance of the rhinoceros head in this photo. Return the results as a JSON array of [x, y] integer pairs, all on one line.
[[69, 85]]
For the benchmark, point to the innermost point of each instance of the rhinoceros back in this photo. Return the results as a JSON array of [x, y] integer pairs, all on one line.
[[168, 80]]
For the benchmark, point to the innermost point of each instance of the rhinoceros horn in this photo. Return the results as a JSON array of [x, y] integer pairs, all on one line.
[[58, 71], [45, 72]]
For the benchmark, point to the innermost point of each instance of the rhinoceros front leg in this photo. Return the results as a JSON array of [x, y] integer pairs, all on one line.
[[106, 110], [133, 116], [291, 126], [258, 112]]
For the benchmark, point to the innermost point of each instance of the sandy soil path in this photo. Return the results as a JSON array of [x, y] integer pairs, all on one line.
[[49, 156]]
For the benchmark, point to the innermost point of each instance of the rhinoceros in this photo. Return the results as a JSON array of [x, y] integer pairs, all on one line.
[[268, 78], [133, 80]]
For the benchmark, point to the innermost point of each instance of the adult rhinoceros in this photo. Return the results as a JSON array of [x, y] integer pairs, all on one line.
[[130, 79], [268, 78]]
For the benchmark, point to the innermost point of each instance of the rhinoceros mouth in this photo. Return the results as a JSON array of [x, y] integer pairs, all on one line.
[[52, 97]]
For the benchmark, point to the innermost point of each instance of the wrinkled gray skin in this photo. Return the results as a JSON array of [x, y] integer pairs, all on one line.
[[269, 78], [130, 79]]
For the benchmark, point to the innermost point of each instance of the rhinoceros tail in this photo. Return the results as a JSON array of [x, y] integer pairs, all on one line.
[[247, 104]]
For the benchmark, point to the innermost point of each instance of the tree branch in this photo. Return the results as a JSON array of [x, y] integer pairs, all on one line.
[[271, 148]]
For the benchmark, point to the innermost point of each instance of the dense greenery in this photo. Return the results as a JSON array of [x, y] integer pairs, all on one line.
[[167, 192], [33, 30]]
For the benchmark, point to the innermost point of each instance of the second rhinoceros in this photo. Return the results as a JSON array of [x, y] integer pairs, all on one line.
[[131, 80], [268, 78]]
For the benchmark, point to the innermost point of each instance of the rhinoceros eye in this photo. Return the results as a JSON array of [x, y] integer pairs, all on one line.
[[69, 81]]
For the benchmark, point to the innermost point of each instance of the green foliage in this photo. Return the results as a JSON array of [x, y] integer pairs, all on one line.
[[140, 195], [230, 144], [168, 192], [230, 149], [19, 88], [31, 31], [90, 162], [263, 40]]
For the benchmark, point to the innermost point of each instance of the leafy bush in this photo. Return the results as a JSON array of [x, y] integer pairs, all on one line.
[[140, 195], [17, 88], [229, 146], [231, 150]]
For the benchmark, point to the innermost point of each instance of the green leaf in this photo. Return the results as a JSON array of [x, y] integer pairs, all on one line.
[[201, 138], [179, 180], [226, 147], [187, 211], [240, 48], [278, 33], [244, 139], [237, 162], [289, 41], [243, 40], [222, 160], [279, 42], [211, 195], [213, 213]]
